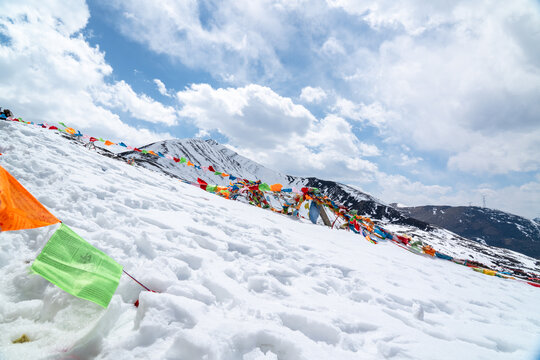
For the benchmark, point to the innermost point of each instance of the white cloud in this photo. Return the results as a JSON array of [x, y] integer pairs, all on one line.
[[273, 130], [499, 154], [312, 95], [252, 115], [49, 72], [121, 96], [467, 86], [332, 47], [232, 40], [406, 160], [440, 76], [373, 114], [161, 87]]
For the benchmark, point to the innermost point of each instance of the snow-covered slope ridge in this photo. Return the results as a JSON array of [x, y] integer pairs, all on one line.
[[235, 281]]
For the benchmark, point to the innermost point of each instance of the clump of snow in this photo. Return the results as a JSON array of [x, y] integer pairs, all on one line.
[[234, 281]]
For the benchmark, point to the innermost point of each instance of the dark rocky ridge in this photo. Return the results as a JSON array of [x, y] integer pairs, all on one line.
[[494, 227]]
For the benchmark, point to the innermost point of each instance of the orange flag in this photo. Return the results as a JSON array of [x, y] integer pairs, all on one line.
[[153, 153], [18, 208], [276, 187], [109, 143], [224, 175], [189, 163]]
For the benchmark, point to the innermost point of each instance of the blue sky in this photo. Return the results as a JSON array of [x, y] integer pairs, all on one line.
[[414, 103]]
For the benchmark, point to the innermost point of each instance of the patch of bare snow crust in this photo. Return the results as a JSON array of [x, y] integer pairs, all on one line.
[[234, 281]]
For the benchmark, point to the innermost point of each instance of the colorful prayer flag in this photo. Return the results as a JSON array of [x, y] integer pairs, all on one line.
[[18, 208], [276, 187], [203, 184], [77, 267]]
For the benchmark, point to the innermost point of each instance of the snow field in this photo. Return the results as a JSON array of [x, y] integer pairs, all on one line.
[[234, 281]]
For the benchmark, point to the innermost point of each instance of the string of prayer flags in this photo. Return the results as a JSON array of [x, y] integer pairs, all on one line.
[[18, 208], [77, 267]]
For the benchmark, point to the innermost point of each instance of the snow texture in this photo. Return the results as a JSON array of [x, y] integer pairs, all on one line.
[[234, 281]]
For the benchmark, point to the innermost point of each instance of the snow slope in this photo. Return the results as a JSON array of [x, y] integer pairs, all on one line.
[[209, 152], [234, 281]]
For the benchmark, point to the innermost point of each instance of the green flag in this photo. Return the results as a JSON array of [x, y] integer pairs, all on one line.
[[61, 123], [211, 188], [217, 173], [77, 267], [264, 187], [144, 151], [183, 160]]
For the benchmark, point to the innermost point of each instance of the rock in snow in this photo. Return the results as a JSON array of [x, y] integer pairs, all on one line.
[[234, 281]]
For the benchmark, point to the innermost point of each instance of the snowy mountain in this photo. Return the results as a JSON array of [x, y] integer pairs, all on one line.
[[489, 226], [235, 281], [209, 152]]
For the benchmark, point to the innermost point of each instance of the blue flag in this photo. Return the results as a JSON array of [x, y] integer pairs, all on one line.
[[313, 212]]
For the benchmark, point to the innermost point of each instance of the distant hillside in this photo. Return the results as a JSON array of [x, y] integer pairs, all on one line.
[[489, 226]]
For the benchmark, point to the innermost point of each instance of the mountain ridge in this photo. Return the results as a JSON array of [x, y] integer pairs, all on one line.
[[491, 226]]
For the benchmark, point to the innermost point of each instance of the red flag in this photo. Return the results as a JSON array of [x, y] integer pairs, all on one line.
[[138, 150], [203, 184], [176, 159], [211, 168], [92, 139]]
